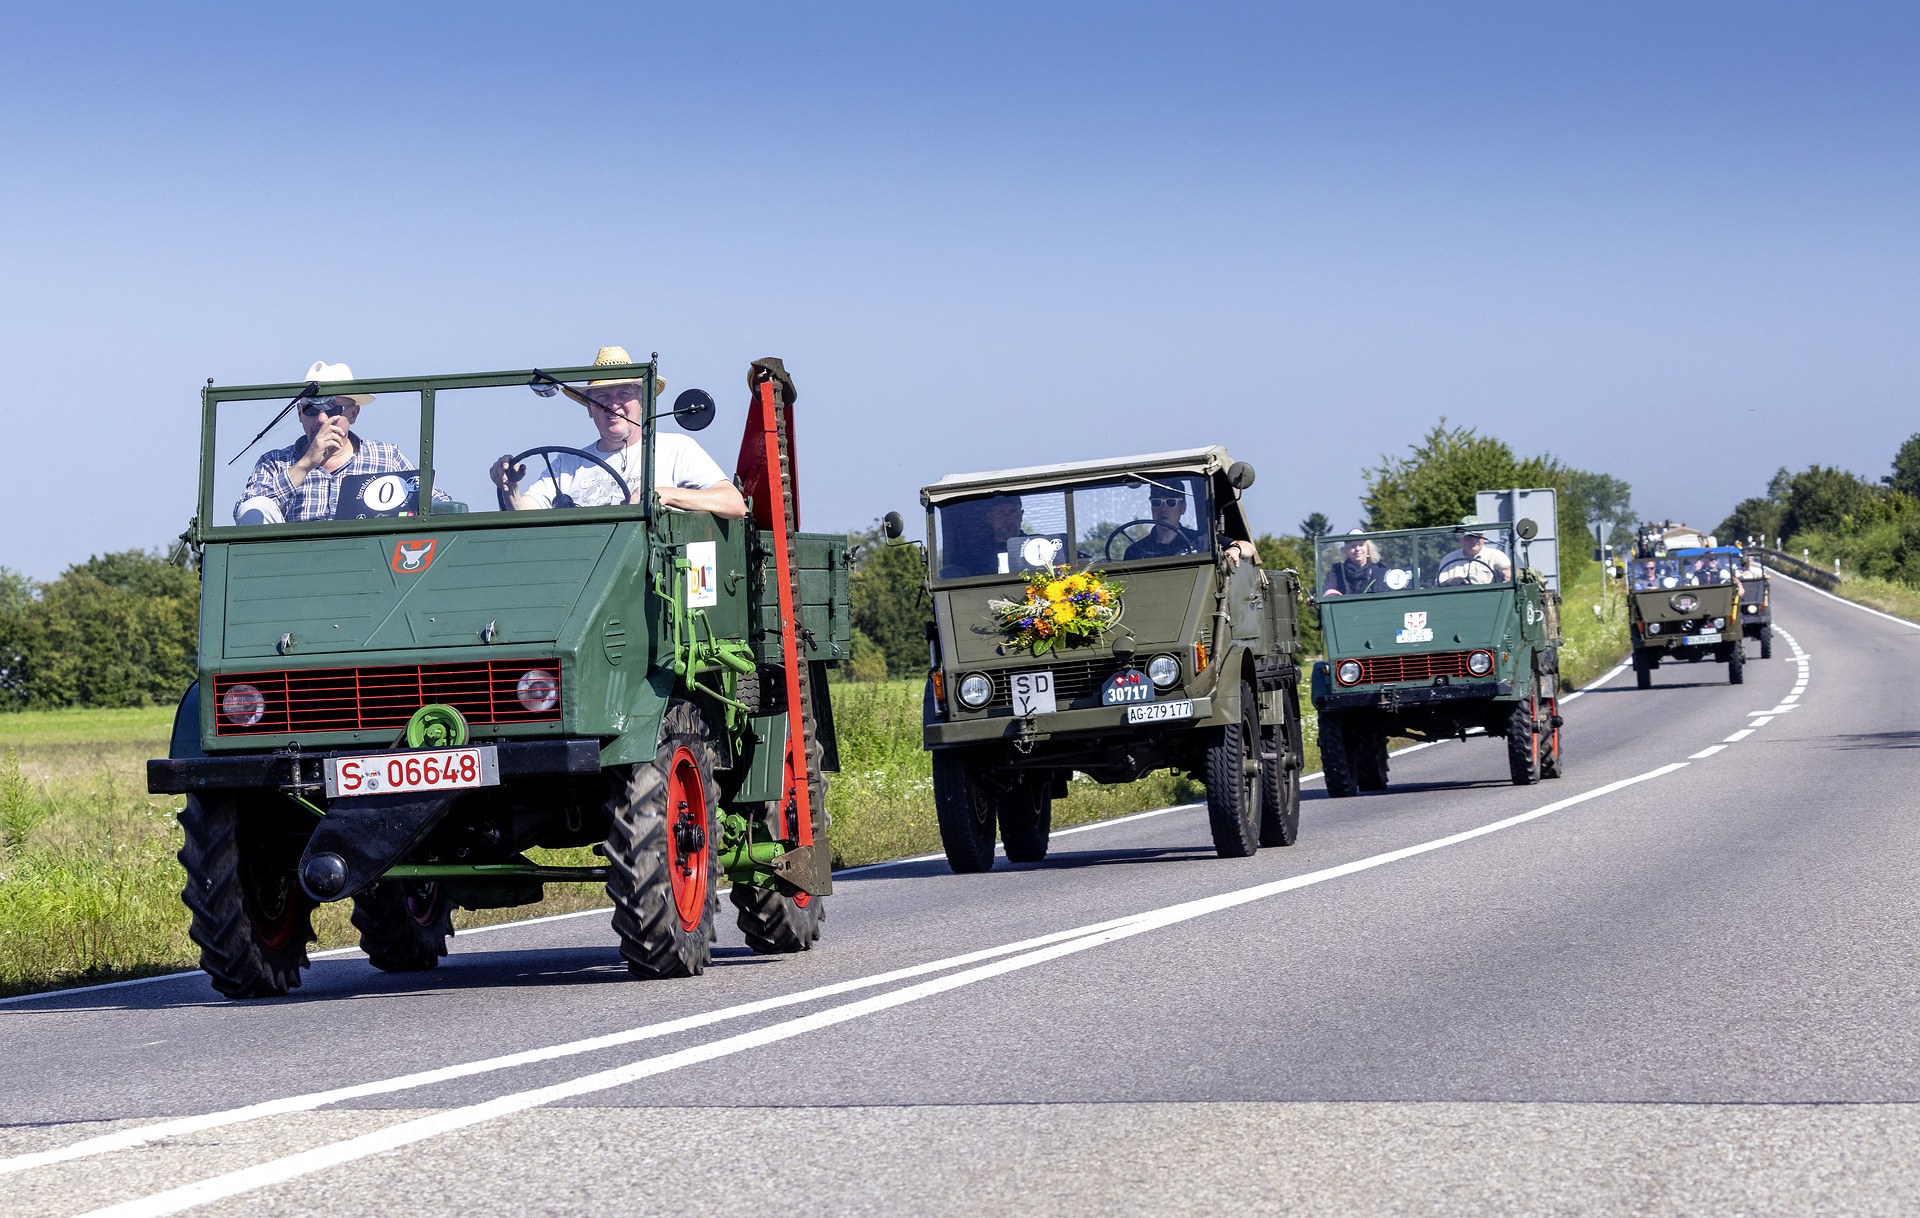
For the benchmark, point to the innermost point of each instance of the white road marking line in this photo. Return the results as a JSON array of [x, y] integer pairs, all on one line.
[[1782, 709], [1709, 751], [1738, 736], [173, 1201], [127, 1138], [1762, 721], [1843, 600]]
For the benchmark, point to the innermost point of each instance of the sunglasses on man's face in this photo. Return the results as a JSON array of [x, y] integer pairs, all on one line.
[[333, 408], [1167, 501]]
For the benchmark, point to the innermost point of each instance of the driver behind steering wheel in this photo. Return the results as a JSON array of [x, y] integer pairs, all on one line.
[[1168, 538], [689, 478]]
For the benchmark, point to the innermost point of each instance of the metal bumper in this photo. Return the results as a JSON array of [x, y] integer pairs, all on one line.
[[185, 775], [1094, 721], [1408, 697]]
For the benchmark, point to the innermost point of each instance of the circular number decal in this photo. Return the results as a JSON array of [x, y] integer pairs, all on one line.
[[385, 494]]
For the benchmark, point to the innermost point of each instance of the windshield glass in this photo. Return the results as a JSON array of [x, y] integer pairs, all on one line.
[[1414, 560], [1651, 573], [329, 458], [1699, 569], [1127, 520]]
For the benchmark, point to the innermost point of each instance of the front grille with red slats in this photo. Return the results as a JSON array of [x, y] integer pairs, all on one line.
[[354, 699], [1382, 670]]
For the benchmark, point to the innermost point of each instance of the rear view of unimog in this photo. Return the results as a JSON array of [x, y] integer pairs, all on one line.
[[1684, 604], [1439, 633], [395, 705], [1106, 618]]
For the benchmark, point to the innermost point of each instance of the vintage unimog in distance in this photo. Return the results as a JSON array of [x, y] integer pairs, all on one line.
[[1756, 604], [394, 704], [1684, 604], [1190, 660], [1435, 633]]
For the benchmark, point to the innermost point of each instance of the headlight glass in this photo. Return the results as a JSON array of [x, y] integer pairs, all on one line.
[[1164, 670], [243, 705], [975, 690], [1348, 672], [1653, 627], [539, 690], [1480, 663]]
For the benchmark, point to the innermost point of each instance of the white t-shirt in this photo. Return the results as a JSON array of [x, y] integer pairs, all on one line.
[[1487, 567], [678, 461]]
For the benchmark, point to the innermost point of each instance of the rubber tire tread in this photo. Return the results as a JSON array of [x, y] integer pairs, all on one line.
[[1642, 673], [1280, 780], [1766, 643], [1737, 664], [232, 954], [1334, 762], [393, 940], [775, 923], [1550, 744], [1233, 801], [1520, 754], [1370, 760], [652, 941], [965, 812], [1026, 821]]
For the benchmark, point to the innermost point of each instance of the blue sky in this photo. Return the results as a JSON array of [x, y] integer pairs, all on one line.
[[1674, 242]]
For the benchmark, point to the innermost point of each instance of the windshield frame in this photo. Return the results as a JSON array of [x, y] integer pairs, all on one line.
[[424, 387], [1066, 487], [1511, 549]]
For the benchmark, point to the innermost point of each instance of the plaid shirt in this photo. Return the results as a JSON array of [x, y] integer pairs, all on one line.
[[318, 494]]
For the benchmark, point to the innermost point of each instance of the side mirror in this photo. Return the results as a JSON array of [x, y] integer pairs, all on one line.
[[693, 409], [1526, 529], [1240, 475], [891, 526]]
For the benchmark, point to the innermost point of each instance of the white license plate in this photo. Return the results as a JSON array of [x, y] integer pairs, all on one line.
[[1033, 694], [1161, 712], [426, 770], [1712, 636]]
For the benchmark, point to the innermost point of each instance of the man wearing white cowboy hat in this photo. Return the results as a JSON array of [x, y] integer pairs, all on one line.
[[302, 480], [684, 475]]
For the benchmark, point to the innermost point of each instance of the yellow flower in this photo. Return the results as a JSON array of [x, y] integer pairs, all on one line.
[[1064, 612], [1056, 589], [1078, 583]]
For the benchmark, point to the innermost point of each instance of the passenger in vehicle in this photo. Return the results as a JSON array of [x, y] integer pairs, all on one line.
[[976, 535], [302, 480], [685, 477], [1474, 562], [1169, 538], [1360, 572]]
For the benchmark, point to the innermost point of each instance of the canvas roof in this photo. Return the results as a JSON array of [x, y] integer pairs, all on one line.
[[1214, 457]]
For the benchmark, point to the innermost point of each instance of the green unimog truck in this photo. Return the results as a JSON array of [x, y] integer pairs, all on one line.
[[1106, 618], [1756, 603], [1432, 634], [395, 706], [1684, 604]]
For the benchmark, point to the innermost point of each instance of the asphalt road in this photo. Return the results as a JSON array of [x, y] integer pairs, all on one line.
[[1679, 980]]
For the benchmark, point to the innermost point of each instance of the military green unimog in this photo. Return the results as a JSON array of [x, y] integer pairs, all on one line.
[[1684, 604], [1435, 633], [1106, 618], [396, 703]]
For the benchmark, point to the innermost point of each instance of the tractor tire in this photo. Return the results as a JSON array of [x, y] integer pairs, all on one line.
[[1766, 642], [1737, 663], [1642, 671], [1279, 784], [1523, 745], [663, 853], [250, 917], [775, 923], [1550, 747], [1370, 758], [404, 925], [1234, 782], [966, 812], [1026, 820], [1334, 760]]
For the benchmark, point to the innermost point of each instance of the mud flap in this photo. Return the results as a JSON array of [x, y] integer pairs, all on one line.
[[360, 838]]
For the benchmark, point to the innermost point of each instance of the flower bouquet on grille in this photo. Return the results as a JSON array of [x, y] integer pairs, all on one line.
[[1060, 610]]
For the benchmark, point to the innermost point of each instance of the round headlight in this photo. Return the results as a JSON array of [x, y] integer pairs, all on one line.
[[975, 690], [539, 690], [1164, 670], [1653, 627], [1480, 663], [243, 705], [1348, 672]]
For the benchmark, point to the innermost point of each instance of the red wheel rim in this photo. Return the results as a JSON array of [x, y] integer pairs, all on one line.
[[276, 930], [687, 852], [802, 899]]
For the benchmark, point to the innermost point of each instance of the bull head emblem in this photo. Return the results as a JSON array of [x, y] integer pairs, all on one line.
[[412, 557]]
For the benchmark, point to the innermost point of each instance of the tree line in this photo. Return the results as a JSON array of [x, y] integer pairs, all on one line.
[[1873, 527], [117, 630]]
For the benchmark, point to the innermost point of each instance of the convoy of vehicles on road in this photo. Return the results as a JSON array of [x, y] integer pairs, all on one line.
[[393, 707]]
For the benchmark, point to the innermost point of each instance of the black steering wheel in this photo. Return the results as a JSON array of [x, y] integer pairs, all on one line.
[[559, 500], [1120, 532]]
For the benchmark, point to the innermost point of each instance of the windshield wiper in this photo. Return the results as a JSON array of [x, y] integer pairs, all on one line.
[[312, 389]]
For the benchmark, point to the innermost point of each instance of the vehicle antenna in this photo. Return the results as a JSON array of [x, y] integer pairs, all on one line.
[[313, 388]]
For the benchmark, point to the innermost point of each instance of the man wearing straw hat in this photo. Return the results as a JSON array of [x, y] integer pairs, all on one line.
[[302, 481], [685, 476]]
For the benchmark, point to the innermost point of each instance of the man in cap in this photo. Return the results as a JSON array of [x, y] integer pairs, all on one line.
[[302, 480], [685, 477], [1168, 506], [1359, 571], [1475, 562]]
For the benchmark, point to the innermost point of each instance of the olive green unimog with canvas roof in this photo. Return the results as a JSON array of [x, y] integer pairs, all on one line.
[[1439, 633], [395, 707], [1090, 618]]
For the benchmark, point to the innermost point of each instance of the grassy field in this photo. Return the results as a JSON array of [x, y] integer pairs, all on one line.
[[1884, 595], [89, 888]]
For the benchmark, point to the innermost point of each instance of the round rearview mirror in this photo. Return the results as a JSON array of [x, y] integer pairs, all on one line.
[[545, 389], [892, 526], [1526, 530], [1240, 475], [693, 409]]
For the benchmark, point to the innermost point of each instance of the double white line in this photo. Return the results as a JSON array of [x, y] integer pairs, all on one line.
[[973, 967]]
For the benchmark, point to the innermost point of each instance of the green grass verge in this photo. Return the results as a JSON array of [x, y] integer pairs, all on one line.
[[1884, 595]]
